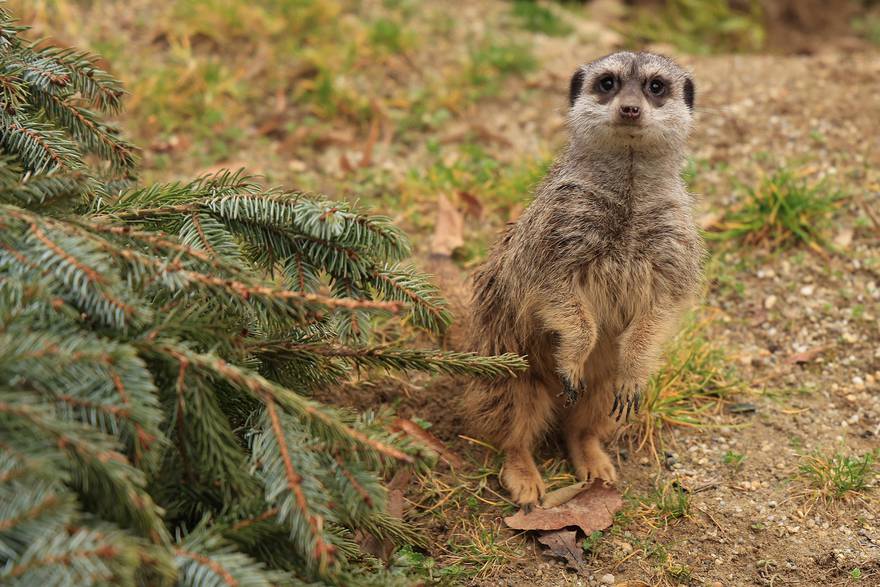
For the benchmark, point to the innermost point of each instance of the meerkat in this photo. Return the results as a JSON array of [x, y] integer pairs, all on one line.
[[593, 277]]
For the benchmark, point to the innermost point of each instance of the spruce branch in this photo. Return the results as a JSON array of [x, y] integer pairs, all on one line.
[[83, 126], [40, 146], [405, 284], [398, 359], [324, 422]]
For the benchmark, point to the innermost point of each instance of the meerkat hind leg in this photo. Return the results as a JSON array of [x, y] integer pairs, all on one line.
[[525, 417], [588, 423], [522, 478]]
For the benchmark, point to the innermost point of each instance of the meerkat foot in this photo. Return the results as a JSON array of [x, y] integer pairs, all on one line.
[[627, 398], [591, 462], [521, 478]]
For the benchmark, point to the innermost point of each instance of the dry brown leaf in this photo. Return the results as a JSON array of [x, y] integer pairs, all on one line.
[[473, 206], [806, 356], [383, 549], [564, 494], [709, 220], [367, 152], [415, 431], [590, 511], [344, 164], [843, 238], [515, 212], [449, 228], [563, 544]]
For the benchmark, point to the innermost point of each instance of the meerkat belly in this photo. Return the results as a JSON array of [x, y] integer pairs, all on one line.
[[616, 289]]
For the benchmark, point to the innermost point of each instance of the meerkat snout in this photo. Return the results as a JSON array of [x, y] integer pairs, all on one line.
[[628, 112]]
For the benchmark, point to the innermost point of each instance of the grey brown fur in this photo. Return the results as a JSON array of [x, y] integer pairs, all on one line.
[[595, 275]]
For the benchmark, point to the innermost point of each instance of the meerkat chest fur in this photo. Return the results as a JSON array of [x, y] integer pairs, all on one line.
[[622, 231]]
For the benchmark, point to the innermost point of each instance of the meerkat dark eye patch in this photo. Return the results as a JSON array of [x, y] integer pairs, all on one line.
[[605, 83], [574, 89], [657, 86], [689, 93]]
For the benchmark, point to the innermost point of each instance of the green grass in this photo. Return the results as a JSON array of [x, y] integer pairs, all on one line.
[[667, 503], [694, 380], [537, 18], [699, 26], [782, 211], [491, 62], [734, 460], [387, 35], [591, 542], [837, 475], [868, 26]]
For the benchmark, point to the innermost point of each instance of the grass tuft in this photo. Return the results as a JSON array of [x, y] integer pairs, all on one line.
[[693, 381], [700, 27], [783, 210], [537, 18], [669, 502], [837, 476]]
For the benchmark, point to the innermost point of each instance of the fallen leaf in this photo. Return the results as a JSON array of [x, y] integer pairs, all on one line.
[[515, 212], [564, 494], [742, 408], [709, 220], [372, 544], [563, 544], [413, 430], [367, 156], [344, 164], [448, 229], [590, 510], [472, 204], [844, 237], [805, 357]]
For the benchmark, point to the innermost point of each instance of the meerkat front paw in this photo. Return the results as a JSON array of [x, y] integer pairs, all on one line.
[[627, 397], [521, 478], [571, 391]]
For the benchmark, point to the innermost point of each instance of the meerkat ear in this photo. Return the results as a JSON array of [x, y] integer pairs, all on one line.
[[689, 92], [577, 82]]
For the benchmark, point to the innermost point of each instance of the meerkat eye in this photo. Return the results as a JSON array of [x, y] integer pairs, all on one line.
[[606, 83], [656, 86]]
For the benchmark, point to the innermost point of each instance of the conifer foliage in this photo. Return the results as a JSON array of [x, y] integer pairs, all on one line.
[[158, 349]]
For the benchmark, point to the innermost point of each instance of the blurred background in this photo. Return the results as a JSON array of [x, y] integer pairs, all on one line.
[[395, 101]]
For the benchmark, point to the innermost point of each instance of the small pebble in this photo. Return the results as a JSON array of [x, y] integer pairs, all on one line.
[[769, 302], [608, 579]]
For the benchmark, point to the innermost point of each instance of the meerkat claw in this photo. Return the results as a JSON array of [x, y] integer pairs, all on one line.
[[614, 407], [638, 401], [571, 393]]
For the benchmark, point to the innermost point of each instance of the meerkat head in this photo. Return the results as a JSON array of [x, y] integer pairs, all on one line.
[[639, 101]]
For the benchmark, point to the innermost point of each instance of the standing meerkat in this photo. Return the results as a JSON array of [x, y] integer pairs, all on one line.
[[596, 273]]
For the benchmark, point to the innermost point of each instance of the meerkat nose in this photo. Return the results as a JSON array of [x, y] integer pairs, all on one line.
[[631, 112]]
